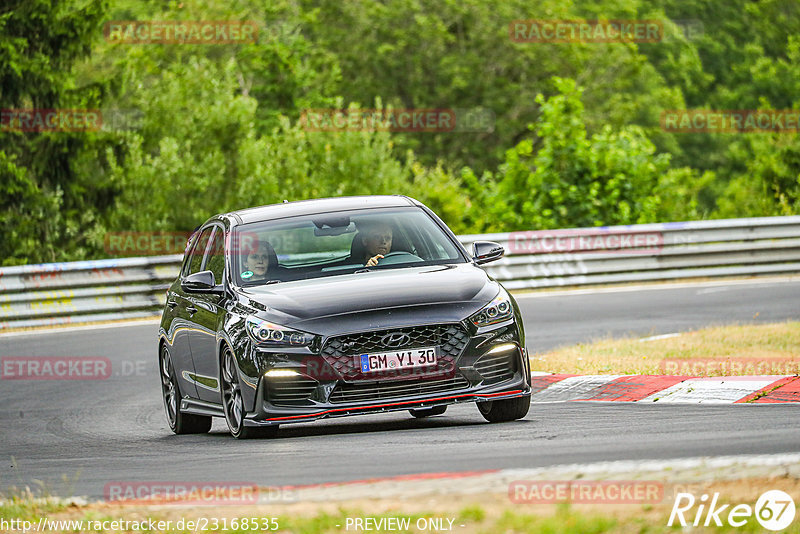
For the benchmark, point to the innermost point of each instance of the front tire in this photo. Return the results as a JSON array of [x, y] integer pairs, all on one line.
[[233, 404], [500, 411], [179, 422]]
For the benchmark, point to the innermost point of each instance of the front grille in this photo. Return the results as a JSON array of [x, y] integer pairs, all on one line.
[[451, 339], [495, 368], [290, 389], [354, 393]]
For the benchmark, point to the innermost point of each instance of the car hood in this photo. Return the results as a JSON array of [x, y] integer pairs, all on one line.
[[395, 297]]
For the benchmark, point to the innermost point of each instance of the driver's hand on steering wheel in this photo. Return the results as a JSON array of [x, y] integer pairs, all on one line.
[[373, 261]]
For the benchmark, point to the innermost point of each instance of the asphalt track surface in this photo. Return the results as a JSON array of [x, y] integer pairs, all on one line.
[[74, 437]]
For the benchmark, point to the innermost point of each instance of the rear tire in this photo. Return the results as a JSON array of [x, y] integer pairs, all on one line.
[[428, 412], [500, 411], [179, 422]]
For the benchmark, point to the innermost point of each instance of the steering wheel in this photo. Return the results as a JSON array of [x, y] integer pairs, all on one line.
[[399, 256]]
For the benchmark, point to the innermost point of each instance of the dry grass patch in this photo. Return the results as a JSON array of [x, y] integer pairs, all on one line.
[[488, 513], [749, 349]]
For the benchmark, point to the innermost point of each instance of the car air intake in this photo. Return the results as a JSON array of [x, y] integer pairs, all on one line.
[[496, 368], [290, 390], [381, 391], [451, 339]]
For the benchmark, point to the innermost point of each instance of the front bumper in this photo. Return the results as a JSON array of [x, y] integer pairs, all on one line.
[[265, 418], [488, 365]]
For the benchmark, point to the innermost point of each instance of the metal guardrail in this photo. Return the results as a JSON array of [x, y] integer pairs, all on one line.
[[669, 251], [73, 292]]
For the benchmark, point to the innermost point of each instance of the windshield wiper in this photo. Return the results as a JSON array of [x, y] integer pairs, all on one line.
[[262, 283]]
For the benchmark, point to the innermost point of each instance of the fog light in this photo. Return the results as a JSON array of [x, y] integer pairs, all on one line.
[[273, 373], [504, 347]]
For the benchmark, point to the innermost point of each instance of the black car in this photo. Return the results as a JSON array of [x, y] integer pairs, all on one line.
[[333, 307]]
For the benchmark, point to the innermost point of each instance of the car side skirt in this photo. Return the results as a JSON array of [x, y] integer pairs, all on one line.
[[199, 407]]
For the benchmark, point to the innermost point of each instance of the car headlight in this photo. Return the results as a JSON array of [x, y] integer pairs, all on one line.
[[274, 335], [497, 311]]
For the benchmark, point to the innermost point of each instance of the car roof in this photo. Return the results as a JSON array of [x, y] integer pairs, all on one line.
[[319, 205]]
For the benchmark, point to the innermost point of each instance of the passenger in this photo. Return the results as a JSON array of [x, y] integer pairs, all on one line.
[[258, 261]]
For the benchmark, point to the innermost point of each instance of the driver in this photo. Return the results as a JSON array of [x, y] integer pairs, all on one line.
[[377, 239]]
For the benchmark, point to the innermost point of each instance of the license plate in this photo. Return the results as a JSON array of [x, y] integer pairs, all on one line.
[[397, 359]]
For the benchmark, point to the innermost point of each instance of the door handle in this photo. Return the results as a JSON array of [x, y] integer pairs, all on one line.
[[171, 304], [191, 309]]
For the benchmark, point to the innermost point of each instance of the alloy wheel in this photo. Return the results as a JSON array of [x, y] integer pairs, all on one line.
[[232, 394], [169, 388]]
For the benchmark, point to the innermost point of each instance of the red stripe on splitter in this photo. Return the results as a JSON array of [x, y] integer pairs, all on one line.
[[633, 388], [387, 405], [538, 383], [787, 389]]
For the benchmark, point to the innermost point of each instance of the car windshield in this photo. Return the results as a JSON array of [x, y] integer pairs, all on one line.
[[339, 243]]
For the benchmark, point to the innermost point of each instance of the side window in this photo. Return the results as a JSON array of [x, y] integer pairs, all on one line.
[[216, 256], [186, 255], [197, 251]]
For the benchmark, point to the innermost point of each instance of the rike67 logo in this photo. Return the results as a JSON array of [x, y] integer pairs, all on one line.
[[774, 510]]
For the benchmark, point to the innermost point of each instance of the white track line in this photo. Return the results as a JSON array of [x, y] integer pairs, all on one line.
[[55, 329], [573, 387], [711, 390], [543, 292]]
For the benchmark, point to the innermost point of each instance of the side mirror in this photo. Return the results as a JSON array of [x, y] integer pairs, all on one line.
[[486, 251], [202, 282]]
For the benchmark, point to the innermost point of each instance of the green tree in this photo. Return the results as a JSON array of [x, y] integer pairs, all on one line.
[[50, 192], [458, 54], [571, 179]]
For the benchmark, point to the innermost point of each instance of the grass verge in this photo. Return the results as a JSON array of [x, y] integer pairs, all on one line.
[[717, 351], [487, 513]]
